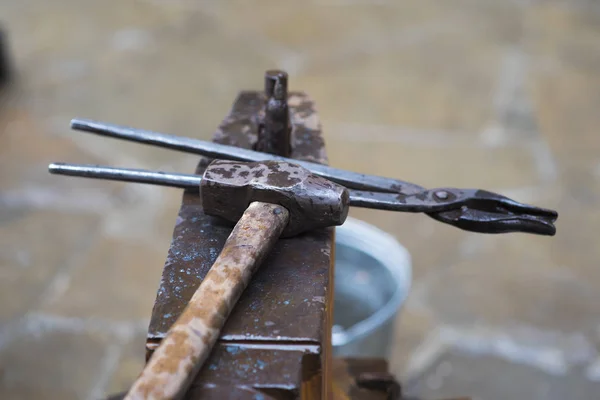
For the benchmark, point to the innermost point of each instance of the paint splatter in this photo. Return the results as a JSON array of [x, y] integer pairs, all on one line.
[[233, 349]]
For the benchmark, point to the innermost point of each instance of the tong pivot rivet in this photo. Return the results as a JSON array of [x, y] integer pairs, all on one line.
[[441, 194]]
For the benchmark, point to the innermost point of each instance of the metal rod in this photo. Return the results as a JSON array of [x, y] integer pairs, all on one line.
[[497, 215], [351, 180], [384, 201], [274, 133], [183, 181]]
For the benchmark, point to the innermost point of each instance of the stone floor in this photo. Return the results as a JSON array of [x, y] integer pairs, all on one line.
[[502, 95]]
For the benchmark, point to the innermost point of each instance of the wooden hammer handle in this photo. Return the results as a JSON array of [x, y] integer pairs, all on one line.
[[190, 339]]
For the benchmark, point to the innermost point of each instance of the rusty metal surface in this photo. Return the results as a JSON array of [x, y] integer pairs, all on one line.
[[289, 287], [274, 131], [284, 307], [190, 340], [249, 371], [281, 367], [271, 370], [240, 127], [313, 202]]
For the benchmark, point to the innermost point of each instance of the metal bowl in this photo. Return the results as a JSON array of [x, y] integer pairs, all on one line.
[[372, 280]]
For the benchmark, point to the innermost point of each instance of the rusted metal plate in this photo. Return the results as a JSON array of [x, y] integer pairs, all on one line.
[[286, 299], [248, 371], [285, 305], [262, 367]]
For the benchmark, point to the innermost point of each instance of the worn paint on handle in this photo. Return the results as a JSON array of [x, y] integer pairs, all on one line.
[[189, 342]]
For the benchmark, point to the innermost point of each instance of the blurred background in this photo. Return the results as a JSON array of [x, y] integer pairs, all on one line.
[[500, 95]]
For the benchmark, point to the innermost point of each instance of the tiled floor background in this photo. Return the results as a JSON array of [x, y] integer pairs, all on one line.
[[503, 95]]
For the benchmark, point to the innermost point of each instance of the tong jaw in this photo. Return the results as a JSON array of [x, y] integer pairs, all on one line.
[[487, 212]]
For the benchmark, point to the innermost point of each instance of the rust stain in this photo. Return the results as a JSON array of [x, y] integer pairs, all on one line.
[[223, 309], [206, 338], [218, 279], [239, 287], [194, 310], [231, 273], [176, 348], [148, 390], [185, 318]]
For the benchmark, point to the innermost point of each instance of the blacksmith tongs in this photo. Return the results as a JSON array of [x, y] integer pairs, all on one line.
[[469, 209]]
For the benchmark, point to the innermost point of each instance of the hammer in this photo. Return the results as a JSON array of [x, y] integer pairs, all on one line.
[[268, 200]]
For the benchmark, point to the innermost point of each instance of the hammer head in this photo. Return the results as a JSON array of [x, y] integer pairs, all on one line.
[[228, 187]]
